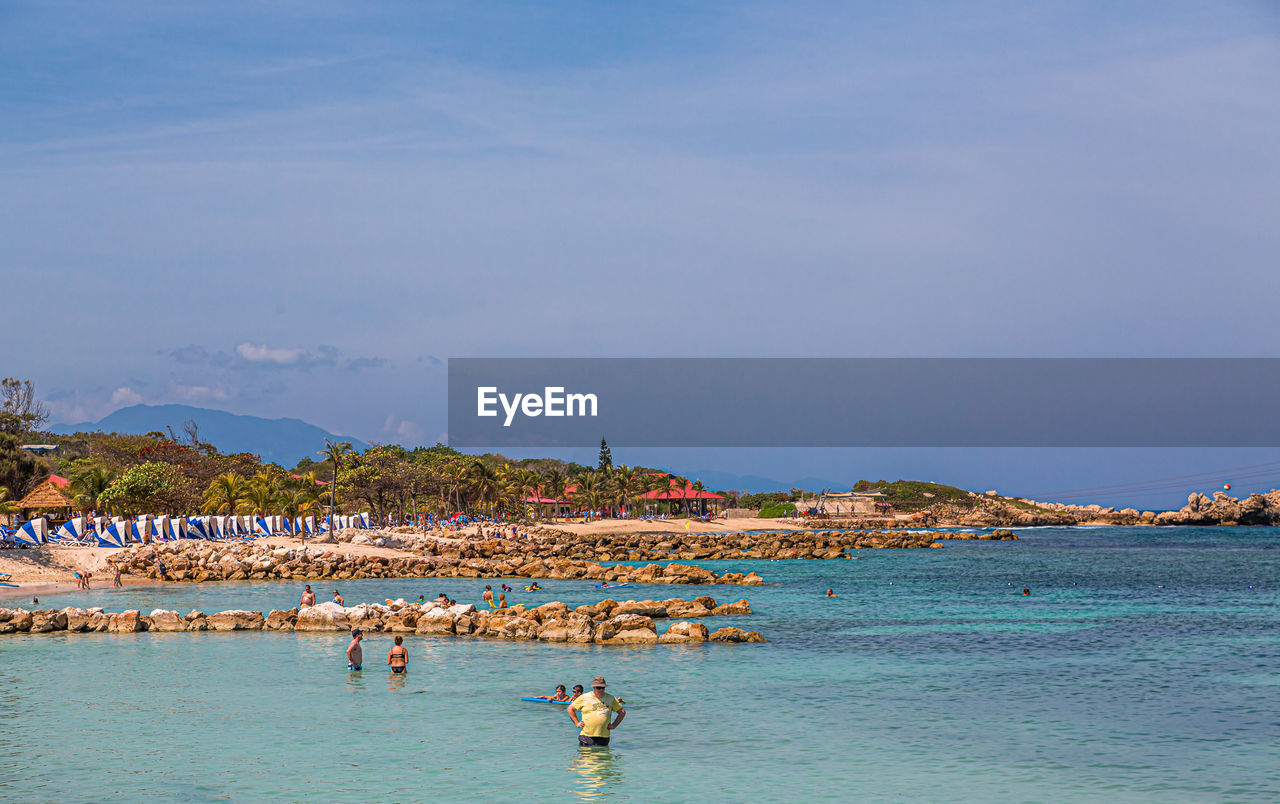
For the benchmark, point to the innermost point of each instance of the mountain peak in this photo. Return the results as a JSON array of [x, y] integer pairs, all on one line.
[[284, 441]]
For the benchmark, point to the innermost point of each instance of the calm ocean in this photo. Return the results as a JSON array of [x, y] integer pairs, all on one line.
[[1145, 666]]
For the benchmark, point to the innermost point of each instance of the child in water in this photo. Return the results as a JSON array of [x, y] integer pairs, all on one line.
[[560, 695]]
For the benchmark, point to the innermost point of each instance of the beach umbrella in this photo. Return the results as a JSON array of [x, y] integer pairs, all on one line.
[[35, 532]]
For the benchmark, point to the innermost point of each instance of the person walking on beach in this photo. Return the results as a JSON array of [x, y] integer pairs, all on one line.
[[398, 657], [115, 579], [355, 653], [594, 727], [487, 597], [308, 597]]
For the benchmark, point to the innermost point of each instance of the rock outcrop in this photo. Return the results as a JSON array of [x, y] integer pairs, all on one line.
[[608, 622]]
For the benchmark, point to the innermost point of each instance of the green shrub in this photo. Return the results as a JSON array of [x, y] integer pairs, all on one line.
[[777, 510]]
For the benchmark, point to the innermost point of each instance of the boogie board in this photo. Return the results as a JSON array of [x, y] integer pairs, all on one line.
[[544, 700], [614, 586]]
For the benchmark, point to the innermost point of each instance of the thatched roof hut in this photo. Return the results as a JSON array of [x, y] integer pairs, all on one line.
[[44, 496]]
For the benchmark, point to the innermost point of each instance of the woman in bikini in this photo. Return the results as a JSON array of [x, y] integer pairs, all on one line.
[[398, 657]]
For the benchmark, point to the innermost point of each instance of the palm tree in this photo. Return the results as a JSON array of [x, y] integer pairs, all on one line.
[[626, 485], [88, 486], [261, 495], [523, 483], [299, 502], [7, 506], [484, 483], [678, 485], [661, 483], [699, 486], [590, 492], [225, 494], [335, 453], [551, 484]]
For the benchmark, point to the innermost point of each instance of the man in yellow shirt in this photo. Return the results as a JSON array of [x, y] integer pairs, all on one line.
[[594, 707]]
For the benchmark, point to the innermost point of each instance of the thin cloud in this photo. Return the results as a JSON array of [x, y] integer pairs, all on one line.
[[261, 353]]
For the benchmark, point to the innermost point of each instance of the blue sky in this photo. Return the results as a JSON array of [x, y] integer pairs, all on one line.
[[302, 209]]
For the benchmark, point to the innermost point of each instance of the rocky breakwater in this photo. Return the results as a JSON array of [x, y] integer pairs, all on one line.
[[197, 561], [816, 544], [1220, 509], [609, 622]]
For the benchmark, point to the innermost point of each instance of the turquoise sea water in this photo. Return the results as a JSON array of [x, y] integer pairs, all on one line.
[[1142, 668]]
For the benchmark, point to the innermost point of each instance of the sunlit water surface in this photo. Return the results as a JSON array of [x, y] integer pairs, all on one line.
[[1144, 666]]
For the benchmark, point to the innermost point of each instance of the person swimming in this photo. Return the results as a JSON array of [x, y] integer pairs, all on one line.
[[831, 593], [560, 695], [577, 690]]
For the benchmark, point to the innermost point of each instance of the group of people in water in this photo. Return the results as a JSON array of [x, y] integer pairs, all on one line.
[[590, 711], [487, 595], [397, 657]]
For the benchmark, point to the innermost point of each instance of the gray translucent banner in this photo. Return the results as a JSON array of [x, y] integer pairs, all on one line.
[[871, 402]]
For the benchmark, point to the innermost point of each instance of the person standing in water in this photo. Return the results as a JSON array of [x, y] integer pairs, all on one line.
[[487, 597], [594, 727], [337, 598], [308, 597], [355, 653], [398, 657]]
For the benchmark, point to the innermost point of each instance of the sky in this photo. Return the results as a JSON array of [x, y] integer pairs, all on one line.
[[305, 209]]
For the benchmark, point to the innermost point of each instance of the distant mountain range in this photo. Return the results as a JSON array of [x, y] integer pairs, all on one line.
[[282, 441], [756, 484]]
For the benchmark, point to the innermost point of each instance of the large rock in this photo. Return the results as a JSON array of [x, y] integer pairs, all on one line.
[[166, 620], [366, 617], [577, 628], [42, 622], [278, 620], [688, 608], [646, 608], [125, 622], [682, 632], [18, 620], [402, 621], [436, 622], [236, 620], [324, 617], [730, 634], [738, 607], [626, 629]]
